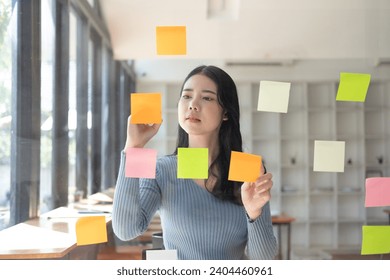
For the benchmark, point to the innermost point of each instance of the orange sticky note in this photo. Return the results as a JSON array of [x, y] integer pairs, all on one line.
[[146, 108], [171, 40], [244, 167], [91, 230]]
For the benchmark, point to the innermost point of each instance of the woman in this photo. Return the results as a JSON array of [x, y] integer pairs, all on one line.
[[201, 219]]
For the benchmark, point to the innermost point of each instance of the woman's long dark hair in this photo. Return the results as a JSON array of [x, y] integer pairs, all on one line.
[[229, 134]]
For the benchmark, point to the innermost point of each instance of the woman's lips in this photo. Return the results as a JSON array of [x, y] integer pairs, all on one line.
[[192, 119]]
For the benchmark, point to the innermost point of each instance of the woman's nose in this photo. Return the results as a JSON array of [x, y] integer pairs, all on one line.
[[193, 105]]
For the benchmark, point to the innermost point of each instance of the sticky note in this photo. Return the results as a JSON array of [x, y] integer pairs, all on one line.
[[244, 167], [91, 230], [353, 87], [161, 254], [273, 96], [375, 240], [171, 40], [192, 163], [145, 108], [329, 156], [140, 163], [377, 192]]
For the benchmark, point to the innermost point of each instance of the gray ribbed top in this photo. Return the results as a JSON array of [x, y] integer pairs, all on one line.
[[194, 222]]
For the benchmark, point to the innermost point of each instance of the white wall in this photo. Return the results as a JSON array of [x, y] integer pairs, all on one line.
[[264, 29], [175, 70]]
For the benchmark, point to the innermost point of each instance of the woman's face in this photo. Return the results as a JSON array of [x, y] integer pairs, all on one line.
[[199, 111]]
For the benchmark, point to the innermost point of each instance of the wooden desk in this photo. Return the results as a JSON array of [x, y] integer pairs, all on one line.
[[279, 221], [387, 211], [45, 238], [25, 241]]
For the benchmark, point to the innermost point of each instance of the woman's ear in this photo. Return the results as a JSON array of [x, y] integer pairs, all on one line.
[[225, 117]]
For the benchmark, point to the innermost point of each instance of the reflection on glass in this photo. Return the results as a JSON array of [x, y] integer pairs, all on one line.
[[5, 111], [72, 116], [47, 56]]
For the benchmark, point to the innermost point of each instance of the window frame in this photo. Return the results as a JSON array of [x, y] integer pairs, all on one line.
[[26, 111]]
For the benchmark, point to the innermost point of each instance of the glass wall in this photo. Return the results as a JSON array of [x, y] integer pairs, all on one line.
[[47, 79], [72, 115], [5, 109], [54, 116]]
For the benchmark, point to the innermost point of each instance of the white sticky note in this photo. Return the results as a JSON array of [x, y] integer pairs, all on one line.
[[161, 254], [329, 156], [273, 96]]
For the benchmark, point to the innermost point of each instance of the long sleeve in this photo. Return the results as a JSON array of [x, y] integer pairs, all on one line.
[[262, 243], [135, 203]]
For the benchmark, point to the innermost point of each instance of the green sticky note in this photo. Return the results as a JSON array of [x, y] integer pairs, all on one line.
[[353, 87], [375, 240], [192, 163]]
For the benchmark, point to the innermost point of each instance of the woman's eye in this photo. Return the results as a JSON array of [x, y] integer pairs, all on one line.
[[207, 98], [184, 96]]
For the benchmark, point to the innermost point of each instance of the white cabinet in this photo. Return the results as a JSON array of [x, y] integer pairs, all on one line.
[[376, 125], [328, 207]]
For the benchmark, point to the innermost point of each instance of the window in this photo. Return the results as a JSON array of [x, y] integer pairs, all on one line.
[[72, 116], [5, 110], [51, 126], [47, 58], [92, 3]]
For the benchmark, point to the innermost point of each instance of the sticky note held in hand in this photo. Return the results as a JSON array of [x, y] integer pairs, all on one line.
[[244, 167], [146, 108]]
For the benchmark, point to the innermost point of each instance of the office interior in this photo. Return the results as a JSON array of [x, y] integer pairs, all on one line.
[[68, 67]]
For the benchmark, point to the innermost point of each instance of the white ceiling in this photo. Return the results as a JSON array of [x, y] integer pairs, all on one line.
[[253, 30]]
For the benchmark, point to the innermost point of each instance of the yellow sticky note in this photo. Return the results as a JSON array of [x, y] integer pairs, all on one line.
[[91, 230], [353, 87], [192, 163], [145, 108], [273, 96], [171, 40], [244, 167], [329, 156], [375, 240]]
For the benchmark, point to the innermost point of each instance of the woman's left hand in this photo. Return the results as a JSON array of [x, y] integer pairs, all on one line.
[[256, 194]]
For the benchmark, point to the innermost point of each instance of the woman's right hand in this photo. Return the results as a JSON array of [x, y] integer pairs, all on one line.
[[139, 134]]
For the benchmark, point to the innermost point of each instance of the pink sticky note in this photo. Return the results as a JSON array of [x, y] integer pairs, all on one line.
[[141, 163], [377, 192]]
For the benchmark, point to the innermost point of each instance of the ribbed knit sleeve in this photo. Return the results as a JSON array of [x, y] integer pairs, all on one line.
[[135, 203], [262, 243]]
